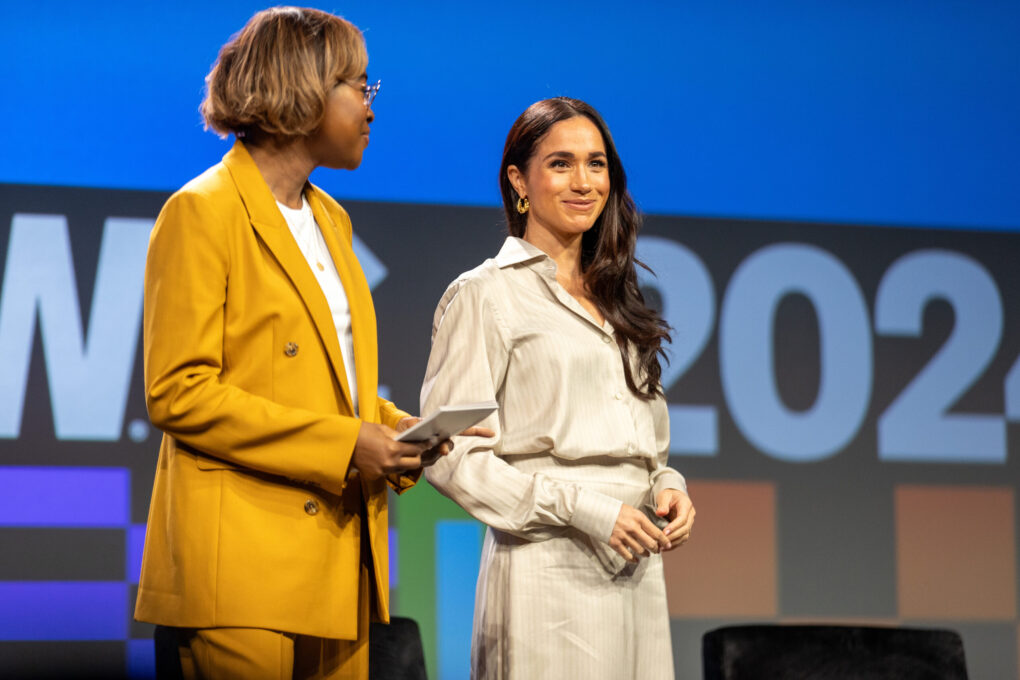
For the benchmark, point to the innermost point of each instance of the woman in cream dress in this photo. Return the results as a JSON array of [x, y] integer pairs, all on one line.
[[554, 328]]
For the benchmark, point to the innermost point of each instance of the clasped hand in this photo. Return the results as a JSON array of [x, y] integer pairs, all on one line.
[[634, 535]]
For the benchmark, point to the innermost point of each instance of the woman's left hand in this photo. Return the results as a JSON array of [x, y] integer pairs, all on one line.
[[444, 447], [406, 423], [675, 506]]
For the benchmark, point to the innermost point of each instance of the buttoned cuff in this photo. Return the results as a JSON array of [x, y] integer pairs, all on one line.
[[667, 479], [595, 514]]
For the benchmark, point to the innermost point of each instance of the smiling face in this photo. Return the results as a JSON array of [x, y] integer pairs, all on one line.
[[341, 138], [566, 180]]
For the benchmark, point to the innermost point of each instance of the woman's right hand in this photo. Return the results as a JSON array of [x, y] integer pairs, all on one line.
[[634, 535], [377, 453]]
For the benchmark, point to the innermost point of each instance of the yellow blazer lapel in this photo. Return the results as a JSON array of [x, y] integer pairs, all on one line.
[[272, 228], [359, 300]]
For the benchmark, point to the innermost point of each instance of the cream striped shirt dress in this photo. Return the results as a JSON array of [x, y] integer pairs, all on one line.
[[572, 443]]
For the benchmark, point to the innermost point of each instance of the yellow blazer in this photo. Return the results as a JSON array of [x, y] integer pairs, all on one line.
[[251, 522]]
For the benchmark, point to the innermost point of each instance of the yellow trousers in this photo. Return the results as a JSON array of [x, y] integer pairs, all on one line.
[[257, 654]]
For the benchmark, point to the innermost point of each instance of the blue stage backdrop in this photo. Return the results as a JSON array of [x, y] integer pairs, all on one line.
[[832, 200]]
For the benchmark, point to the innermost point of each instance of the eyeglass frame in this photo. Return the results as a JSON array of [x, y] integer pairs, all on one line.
[[369, 92]]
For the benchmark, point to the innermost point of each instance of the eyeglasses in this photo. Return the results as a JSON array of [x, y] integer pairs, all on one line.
[[369, 91]]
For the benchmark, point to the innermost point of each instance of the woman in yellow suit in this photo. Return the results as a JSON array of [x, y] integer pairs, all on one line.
[[266, 549]]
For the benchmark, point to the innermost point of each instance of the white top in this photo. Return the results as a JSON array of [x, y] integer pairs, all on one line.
[[309, 239], [507, 330]]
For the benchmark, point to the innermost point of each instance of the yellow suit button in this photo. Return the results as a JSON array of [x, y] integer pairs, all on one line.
[[290, 349], [311, 507]]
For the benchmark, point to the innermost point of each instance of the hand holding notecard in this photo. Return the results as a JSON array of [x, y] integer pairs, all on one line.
[[448, 421]]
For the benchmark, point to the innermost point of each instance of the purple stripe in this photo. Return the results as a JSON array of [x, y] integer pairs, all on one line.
[[141, 659], [393, 558], [60, 610], [64, 497], [135, 546]]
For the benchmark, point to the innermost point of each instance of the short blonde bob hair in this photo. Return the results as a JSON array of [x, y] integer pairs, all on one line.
[[275, 74]]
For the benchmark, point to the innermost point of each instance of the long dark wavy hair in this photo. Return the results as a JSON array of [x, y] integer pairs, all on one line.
[[607, 249]]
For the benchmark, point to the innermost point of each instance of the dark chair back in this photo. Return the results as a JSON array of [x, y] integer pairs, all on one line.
[[773, 652], [168, 655], [395, 651]]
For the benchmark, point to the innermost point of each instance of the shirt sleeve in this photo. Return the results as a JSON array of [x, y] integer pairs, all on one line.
[[662, 476], [471, 350]]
